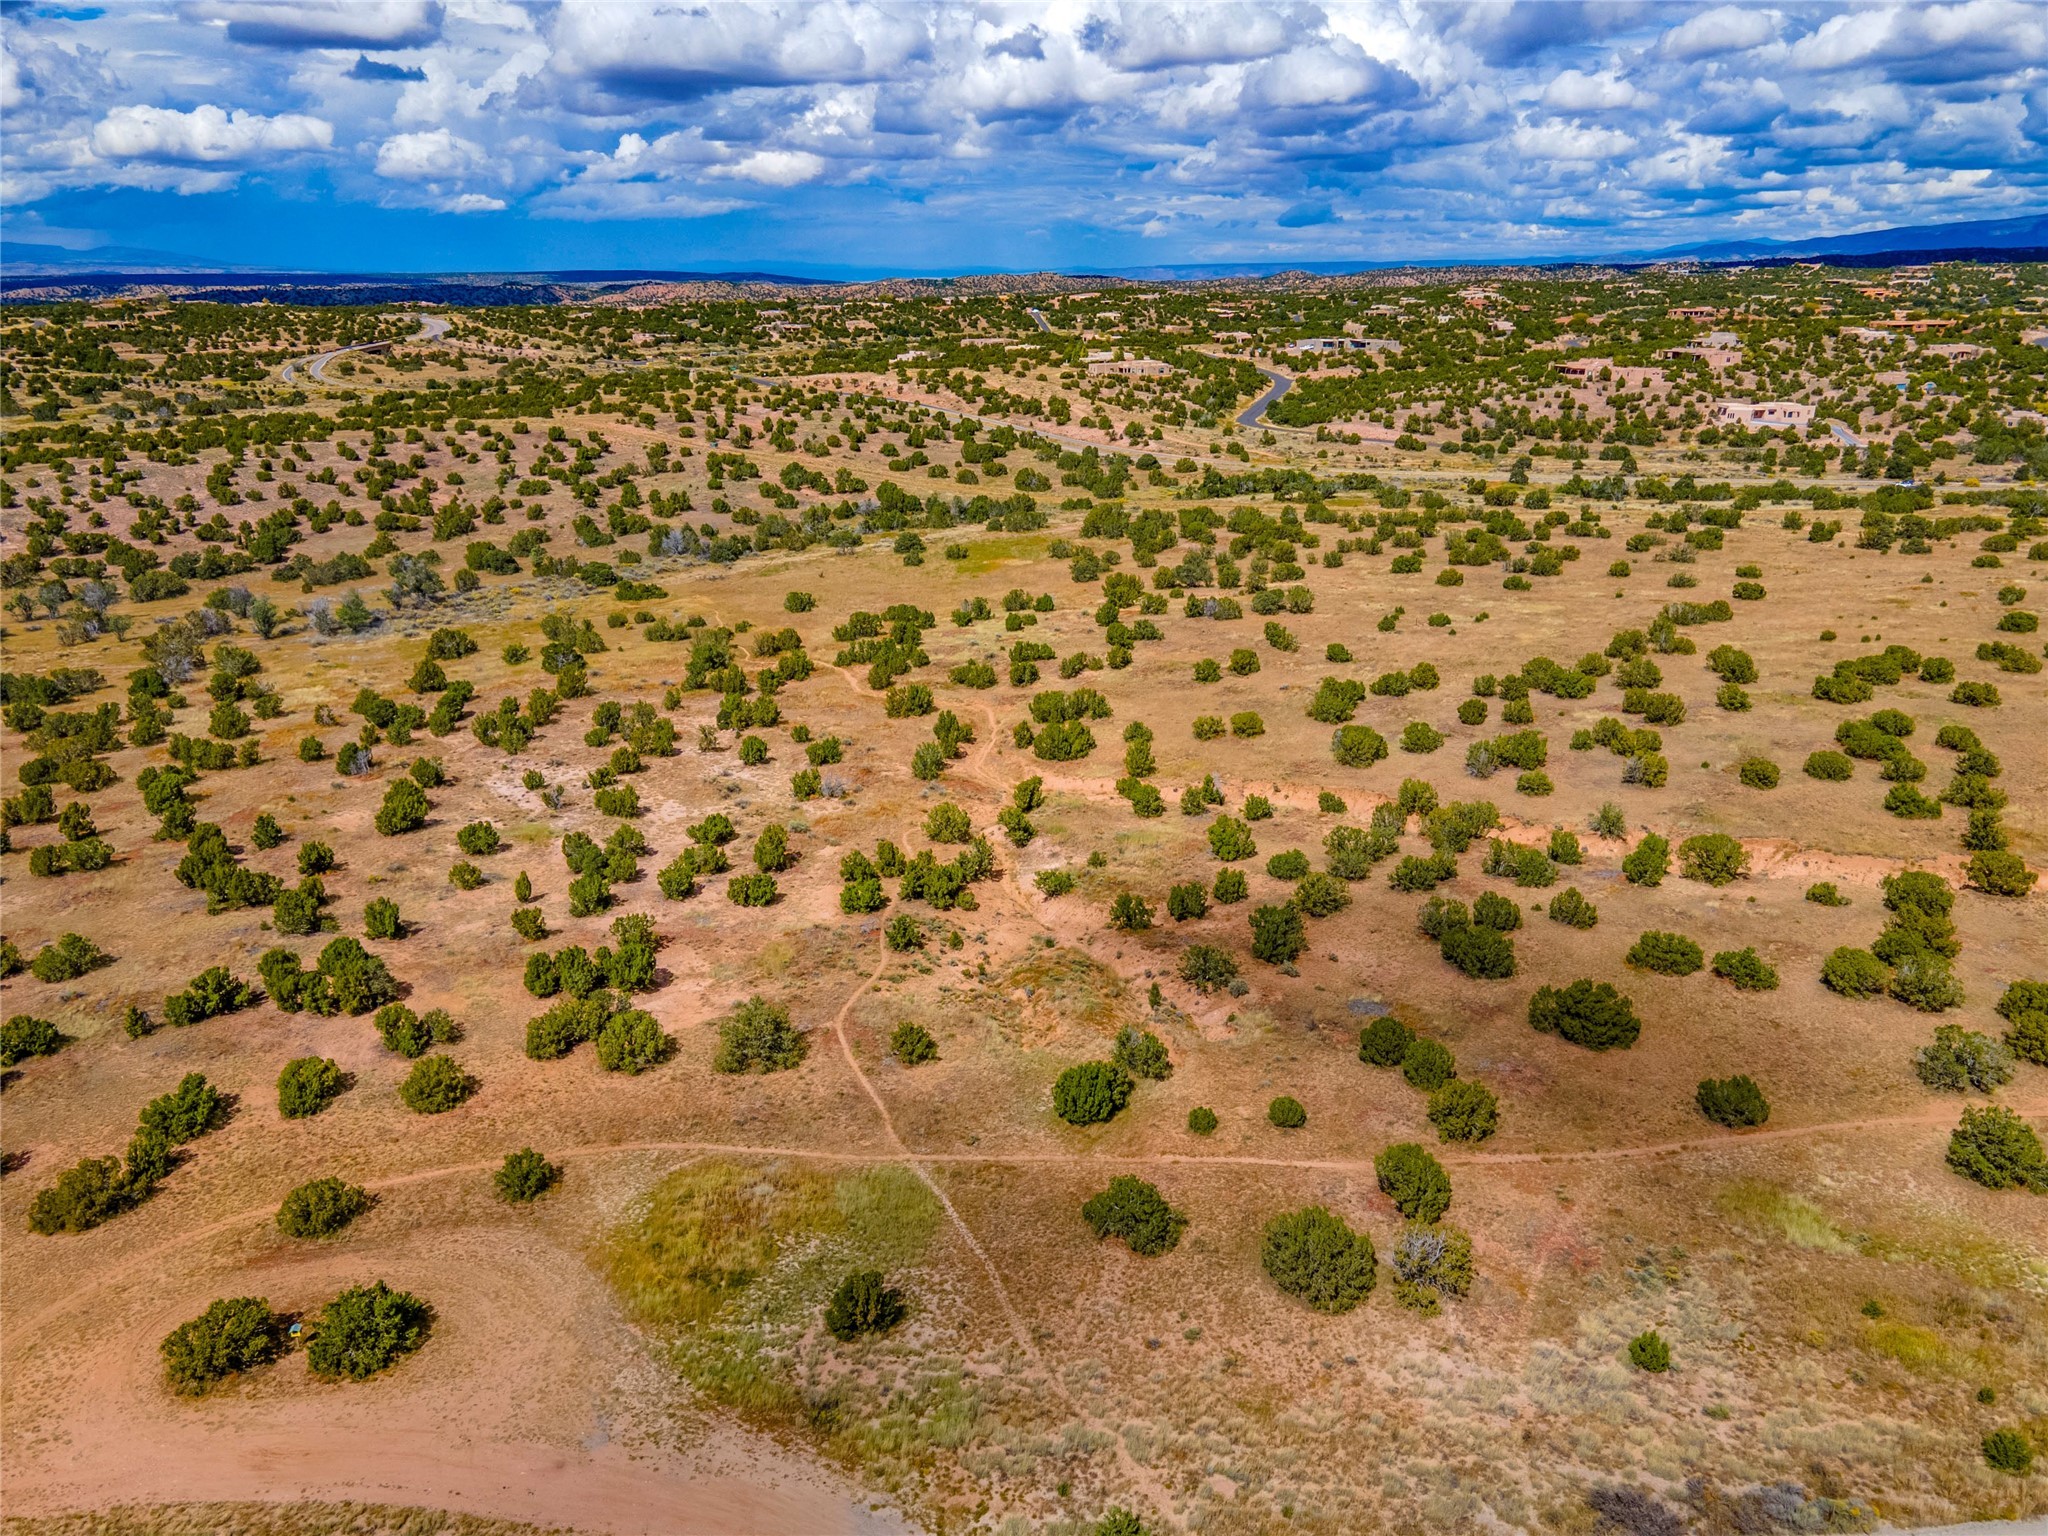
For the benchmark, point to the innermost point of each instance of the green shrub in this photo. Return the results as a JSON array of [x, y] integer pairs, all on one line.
[[1464, 1111], [1960, 1059], [1999, 1150], [86, 1194], [1431, 1262], [1823, 893], [1287, 1113], [24, 1035], [1923, 980], [756, 890], [184, 1114], [1572, 909], [321, 1208], [758, 1037], [1316, 1258], [1229, 887], [1906, 802], [1855, 973], [1428, 1064], [1649, 862], [381, 919], [1201, 1120], [366, 1329], [1278, 936], [1493, 910], [1713, 858], [1128, 913], [1831, 767], [435, 1085], [404, 808], [1091, 1092], [1415, 873], [1997, 872], [1207, 968], [229, 1337], [1384, 1042], [1231, 840], [211, 993], [1735, 1102], [308, 1085], [1441, 915], [2009, 1451], [1648, 1352], [912, 1044], [631, 1041], [410, 1035], [1142, 1054], [1357, 746], [2028, 1037], [1291, 865], [1747, 969], [1587, 1013], [478, 839], [1668, 954], [1411, 1177], [524, 1177], [1421, 737], [1480, 953], [1135, 1211], [863, 1304]]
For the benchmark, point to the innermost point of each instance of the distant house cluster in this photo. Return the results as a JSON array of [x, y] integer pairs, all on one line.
[[1760, 413], [1588, 370], [1310, 345], [1127, 367]]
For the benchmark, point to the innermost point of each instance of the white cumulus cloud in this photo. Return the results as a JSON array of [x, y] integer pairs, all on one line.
[[773, 167], [437, 155], [323, 23], [1573, 91], [1724, 29], [206, 135]]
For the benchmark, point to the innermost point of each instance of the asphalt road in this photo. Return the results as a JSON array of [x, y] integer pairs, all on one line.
[[1038, 315], [1251, 414], [432, 328]]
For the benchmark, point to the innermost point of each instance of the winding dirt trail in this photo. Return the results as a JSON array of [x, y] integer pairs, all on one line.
[[1728, 1141], [1138, 1474]]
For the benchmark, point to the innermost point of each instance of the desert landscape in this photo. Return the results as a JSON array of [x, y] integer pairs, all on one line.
[[715, 908]]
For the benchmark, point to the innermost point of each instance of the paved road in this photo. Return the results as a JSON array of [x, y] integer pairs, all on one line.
[[432, 328], [1251, 414], [1845, 434], [1039, 316]]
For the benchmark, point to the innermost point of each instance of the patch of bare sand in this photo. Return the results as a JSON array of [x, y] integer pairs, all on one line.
[[530, 1403]]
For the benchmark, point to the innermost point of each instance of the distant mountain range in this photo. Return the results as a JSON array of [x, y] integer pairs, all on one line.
[[2028, 231], [33, 268]]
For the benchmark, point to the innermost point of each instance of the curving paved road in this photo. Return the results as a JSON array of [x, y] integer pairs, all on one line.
[[1251, 415], [432, 328]]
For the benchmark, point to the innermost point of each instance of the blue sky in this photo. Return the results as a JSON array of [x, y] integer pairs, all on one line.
[[843, 136]]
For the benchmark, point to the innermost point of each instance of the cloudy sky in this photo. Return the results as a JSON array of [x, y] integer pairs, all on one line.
[[841, 135]]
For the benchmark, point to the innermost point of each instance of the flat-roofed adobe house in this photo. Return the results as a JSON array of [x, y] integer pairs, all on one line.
[[1761, 413]]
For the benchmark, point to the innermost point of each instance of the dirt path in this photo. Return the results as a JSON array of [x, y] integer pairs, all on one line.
[[1723, 1142], [605, 1490], [1139, 1475]]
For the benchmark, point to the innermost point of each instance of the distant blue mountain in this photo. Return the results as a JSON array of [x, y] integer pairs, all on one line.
[[2026, 231], [2025, 236]]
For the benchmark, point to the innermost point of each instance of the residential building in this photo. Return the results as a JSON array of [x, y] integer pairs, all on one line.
[[1760, 413]]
